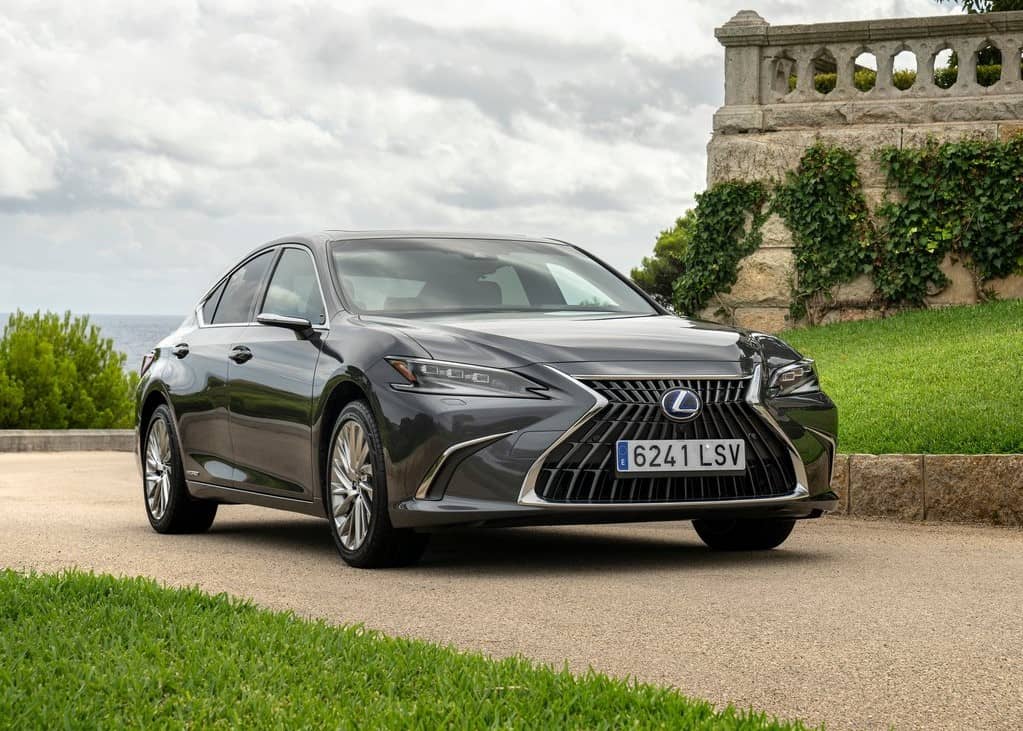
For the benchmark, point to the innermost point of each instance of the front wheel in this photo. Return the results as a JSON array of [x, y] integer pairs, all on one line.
[[356, 496], [743, 535]]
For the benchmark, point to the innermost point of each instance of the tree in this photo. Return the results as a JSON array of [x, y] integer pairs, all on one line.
[[59, 373], [986, 6], [657, 273]]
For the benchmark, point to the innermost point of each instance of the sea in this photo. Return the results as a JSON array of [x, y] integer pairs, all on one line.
[[133, 335]]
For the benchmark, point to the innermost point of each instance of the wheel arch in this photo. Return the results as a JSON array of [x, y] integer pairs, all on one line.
[[340, 395]]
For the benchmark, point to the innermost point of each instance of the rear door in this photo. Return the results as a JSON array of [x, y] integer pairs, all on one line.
[[201, 399], [271, 392]]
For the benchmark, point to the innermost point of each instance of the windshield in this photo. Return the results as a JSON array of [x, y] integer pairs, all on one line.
[[430, 276]]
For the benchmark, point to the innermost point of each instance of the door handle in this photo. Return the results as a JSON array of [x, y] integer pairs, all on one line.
[[180, 350], [240, 354]]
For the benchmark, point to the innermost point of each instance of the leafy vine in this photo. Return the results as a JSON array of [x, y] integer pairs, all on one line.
[[721, 239]]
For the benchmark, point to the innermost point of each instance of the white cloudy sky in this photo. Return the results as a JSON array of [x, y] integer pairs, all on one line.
[[145, 145]]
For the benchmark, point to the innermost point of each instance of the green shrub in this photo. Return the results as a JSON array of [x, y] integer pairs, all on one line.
[[59, 373], [656, 274]]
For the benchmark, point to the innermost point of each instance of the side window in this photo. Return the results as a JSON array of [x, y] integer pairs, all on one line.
[[210, 305], [293, 290], [241, 291]]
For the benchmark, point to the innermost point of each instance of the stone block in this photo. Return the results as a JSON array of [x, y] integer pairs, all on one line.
[[886, 486], [1008, 130], [840, 483], [960, 290], [865, 141], [1007, 288], [764, 278], [917, 135], [754, 156], [860, 289], [850, 314], [775, 233], [975, 488], [762, 319]]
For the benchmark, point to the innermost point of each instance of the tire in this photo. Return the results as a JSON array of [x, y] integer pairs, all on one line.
[[743, 535], [169, 507], [355, 495]]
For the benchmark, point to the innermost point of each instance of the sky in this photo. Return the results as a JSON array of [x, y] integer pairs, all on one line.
[[145, 146]]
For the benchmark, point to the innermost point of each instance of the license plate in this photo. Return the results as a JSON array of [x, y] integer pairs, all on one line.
[[683, 456]]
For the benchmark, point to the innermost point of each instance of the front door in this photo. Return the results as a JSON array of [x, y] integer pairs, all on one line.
[[271, 389]]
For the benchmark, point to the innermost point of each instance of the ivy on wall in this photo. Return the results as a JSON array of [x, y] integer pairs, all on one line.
[[721, 239], [822, 204], [963, 199]]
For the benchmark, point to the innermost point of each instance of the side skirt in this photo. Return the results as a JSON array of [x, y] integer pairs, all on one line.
[[207, 491]]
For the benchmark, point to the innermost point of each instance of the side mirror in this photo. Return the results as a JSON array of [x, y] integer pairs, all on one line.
[[298, 324]]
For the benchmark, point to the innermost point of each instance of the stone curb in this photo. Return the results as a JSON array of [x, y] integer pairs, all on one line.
[[67, 440], [958, 488]]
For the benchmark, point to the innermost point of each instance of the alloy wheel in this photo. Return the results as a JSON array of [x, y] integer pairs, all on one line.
[[351, 485], [158, 469]]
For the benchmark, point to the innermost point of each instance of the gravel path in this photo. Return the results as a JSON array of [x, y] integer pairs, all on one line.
[[858, 624]]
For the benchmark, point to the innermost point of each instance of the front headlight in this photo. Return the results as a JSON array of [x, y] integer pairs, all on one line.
[[459, 379], [795, 378]]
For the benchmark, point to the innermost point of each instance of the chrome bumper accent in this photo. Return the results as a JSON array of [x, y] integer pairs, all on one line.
[[423, 493]]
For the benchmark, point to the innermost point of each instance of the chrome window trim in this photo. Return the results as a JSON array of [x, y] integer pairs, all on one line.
[[423, 493], [202, 324], [529, 497]]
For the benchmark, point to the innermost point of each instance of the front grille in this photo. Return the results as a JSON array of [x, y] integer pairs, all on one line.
[[582, 468]]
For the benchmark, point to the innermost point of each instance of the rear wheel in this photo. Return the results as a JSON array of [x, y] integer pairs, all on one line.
[[743, 535], [168, 505], [356, 496]]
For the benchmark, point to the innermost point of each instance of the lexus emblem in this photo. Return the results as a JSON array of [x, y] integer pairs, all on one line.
[[681, 404]]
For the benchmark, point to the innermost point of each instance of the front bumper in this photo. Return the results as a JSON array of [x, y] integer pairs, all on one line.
[[486, 465]]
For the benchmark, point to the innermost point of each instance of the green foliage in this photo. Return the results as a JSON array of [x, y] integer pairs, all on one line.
[[85, 651], [986, 6], [911, 383], [657, 274], [823, 206], [865, 79], [59, 373], [964, 199], [719, 241]]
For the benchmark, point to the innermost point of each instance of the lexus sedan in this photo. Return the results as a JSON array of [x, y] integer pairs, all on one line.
[[399, 383]]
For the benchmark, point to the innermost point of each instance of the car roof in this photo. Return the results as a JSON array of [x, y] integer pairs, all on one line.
[[348, 235]]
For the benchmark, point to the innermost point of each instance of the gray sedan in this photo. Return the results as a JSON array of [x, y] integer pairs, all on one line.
[[399, 383]]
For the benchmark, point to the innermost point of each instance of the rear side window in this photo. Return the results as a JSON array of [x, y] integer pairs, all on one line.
[[209, 307], [241, 291], [294, 290]]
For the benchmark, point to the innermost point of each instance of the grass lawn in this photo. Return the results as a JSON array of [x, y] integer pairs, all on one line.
[[85, 651], [932, 381]]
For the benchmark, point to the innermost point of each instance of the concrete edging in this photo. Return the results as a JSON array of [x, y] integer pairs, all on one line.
[[67, 440], [960, 488]]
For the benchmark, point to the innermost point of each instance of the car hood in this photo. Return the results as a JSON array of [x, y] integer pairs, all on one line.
[[510, 341]]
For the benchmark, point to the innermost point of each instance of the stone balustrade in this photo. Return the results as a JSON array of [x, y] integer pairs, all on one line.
[[771, 72]]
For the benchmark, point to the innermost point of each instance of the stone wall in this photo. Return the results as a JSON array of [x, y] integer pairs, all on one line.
[[763, 130]]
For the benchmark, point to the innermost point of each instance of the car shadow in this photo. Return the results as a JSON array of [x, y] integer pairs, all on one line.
[[546, 550]]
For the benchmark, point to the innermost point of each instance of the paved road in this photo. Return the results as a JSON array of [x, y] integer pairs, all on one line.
[[855, 623]]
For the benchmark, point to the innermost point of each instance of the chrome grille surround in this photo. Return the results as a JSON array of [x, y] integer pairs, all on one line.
[[637, 392]]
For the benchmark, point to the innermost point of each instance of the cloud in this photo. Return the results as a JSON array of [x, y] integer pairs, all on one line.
[[146, 144]]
